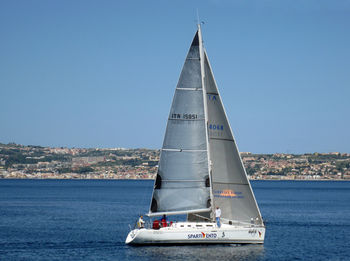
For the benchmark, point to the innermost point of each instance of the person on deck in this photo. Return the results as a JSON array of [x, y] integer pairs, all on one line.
[[156, 224], [141, 222], [163, 221], [217, 216]]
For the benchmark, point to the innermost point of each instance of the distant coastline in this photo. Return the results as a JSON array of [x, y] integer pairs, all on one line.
[[152, 179], [36, 162]]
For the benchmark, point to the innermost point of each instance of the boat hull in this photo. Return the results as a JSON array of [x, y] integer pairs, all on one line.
[[173, 235]]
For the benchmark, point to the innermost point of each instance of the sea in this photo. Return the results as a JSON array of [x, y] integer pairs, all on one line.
[[90, 219]]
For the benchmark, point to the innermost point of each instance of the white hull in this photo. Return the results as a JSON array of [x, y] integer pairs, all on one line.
[[197, 233]]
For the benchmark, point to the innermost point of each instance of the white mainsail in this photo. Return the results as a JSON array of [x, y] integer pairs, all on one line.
[[200, 166], [182, 183]]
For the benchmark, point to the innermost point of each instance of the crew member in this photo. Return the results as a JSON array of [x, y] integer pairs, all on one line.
[[217, 216], [141, 222], [164, 222]]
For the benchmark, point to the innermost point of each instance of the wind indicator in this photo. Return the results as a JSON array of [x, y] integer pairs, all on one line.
[[198, 20]]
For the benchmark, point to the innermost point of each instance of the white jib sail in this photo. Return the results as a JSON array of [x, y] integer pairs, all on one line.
[[230, 185]]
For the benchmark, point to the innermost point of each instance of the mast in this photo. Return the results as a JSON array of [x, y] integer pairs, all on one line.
[[201, 57]]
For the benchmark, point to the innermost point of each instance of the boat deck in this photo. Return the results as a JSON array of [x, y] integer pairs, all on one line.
[[198, 233]]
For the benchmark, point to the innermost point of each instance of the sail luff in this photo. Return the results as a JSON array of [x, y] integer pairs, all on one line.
[[201, 55], [231, 132]]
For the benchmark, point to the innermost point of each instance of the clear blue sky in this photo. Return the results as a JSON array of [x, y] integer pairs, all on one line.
[[103, 73]]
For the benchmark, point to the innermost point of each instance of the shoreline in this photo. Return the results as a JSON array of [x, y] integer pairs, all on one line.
[[298, 180]]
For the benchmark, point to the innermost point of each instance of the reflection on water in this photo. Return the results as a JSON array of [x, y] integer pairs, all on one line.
[[198, 252]]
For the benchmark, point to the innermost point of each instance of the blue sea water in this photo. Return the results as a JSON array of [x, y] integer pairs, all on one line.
[[89, 220]]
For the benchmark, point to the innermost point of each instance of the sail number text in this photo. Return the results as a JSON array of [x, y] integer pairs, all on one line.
[[185, 116], [216, 127]]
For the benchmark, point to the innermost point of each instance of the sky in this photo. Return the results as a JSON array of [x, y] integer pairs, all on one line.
[[80, 73]]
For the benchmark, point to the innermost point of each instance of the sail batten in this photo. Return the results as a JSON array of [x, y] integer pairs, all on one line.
[[230, 183], [170, 119], [212, 138], [182, 180], [190, 89], [169, 213], [183, 150]]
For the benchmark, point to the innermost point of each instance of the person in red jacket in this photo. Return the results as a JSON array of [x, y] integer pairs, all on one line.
[[156, 224]]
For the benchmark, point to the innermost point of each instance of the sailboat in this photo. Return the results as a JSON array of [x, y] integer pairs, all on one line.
[[200, 168]]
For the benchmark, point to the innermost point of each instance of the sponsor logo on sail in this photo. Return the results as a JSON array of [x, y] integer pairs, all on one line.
[[228, 193]]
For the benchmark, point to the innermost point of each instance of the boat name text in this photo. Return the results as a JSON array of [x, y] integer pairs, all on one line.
[[202, 235]]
